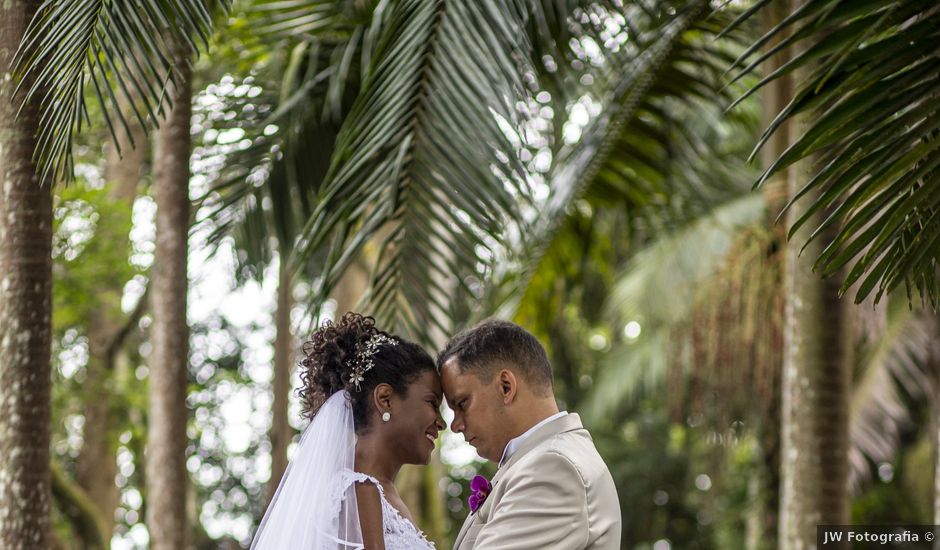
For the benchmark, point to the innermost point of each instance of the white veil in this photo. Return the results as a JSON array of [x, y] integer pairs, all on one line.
[[311, 510]]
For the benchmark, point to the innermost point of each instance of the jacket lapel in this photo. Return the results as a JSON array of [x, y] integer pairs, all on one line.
[[463, 530]]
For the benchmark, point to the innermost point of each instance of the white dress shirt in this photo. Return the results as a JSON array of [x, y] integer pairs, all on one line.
[[515, 442]]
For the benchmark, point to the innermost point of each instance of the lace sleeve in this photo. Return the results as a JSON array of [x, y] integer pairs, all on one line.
[[400, 534], [349, 477]]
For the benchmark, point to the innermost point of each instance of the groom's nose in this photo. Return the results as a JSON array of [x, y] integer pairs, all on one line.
[[457, 425]]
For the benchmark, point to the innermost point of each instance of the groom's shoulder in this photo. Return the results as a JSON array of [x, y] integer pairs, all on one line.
[[576, 447]]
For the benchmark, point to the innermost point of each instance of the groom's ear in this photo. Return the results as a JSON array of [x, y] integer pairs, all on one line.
[[507, 386]]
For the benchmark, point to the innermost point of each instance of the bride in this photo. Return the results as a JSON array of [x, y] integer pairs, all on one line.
[[374, 400]]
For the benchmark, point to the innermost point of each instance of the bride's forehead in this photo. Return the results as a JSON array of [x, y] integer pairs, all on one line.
[[429, 380]]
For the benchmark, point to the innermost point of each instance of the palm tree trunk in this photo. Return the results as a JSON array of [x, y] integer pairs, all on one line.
[[816, 390], [166, 475], [25, 307], [281, 432], [816, 370], [774, 98], [351, 287], [935, 404]]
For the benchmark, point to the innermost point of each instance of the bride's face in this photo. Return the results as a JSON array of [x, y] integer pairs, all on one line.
[[418, 419]]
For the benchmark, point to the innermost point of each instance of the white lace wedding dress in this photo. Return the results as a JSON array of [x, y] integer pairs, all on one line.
[[400, 534], [314, 507]]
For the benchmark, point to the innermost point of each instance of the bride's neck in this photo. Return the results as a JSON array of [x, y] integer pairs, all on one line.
[[373, 458]]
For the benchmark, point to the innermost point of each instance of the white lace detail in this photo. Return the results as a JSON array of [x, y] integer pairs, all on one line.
[[400, 534]]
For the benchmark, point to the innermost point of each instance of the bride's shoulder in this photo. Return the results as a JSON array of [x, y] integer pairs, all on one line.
[[348, 477]]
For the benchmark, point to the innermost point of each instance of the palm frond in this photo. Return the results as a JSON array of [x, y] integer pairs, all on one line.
[[262, 194], [417, 157], [896, 372], [317, 21], [869, 92], [630, 372], [119, 51], [264, 154], [340, 36], [640, 148]]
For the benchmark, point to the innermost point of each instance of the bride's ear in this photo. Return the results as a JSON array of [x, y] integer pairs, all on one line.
[[382, 398]]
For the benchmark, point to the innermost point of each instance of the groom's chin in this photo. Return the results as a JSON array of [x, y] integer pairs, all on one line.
[[485, 455]]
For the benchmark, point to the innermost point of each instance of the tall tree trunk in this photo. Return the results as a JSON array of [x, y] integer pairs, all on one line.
[[281, 432], [97, 465], [166, 475], [935, 421], [816, 390], [351, 287], [774, 98], [25, 307]]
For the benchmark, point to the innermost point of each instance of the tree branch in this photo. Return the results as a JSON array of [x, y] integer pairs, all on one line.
[[133, 318], [81, 513]]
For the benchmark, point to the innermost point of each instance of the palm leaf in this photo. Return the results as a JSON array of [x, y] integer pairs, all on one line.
[[263, 187], [119, 50], [895, 374], [641, 148], [263, 194], [869, 93]]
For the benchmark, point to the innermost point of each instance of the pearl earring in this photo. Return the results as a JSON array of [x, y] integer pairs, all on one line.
[[386, 416]]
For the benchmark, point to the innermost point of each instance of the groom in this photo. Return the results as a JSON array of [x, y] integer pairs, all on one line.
[[552, 489]]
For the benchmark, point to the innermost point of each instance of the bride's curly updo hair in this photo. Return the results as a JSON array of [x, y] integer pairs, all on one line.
[[329, 357]]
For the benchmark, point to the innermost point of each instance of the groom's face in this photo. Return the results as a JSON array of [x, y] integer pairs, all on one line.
[[478, 410]]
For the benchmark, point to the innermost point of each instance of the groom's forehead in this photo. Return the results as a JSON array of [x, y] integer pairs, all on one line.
[[455, 379], [461, 384]]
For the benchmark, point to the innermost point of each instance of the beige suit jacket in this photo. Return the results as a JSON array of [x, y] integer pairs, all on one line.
[[555, 492]]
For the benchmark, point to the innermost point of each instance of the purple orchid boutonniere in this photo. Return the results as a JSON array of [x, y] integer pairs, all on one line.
[[481, 488]]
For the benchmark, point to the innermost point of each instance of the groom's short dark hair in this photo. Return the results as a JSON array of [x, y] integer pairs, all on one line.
[[492, 345]]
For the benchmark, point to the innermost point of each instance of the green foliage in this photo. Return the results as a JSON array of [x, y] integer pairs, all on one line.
[[658, 145], [652, 462], [904, 495], [224, 471], [658, 290], [84, 264]]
